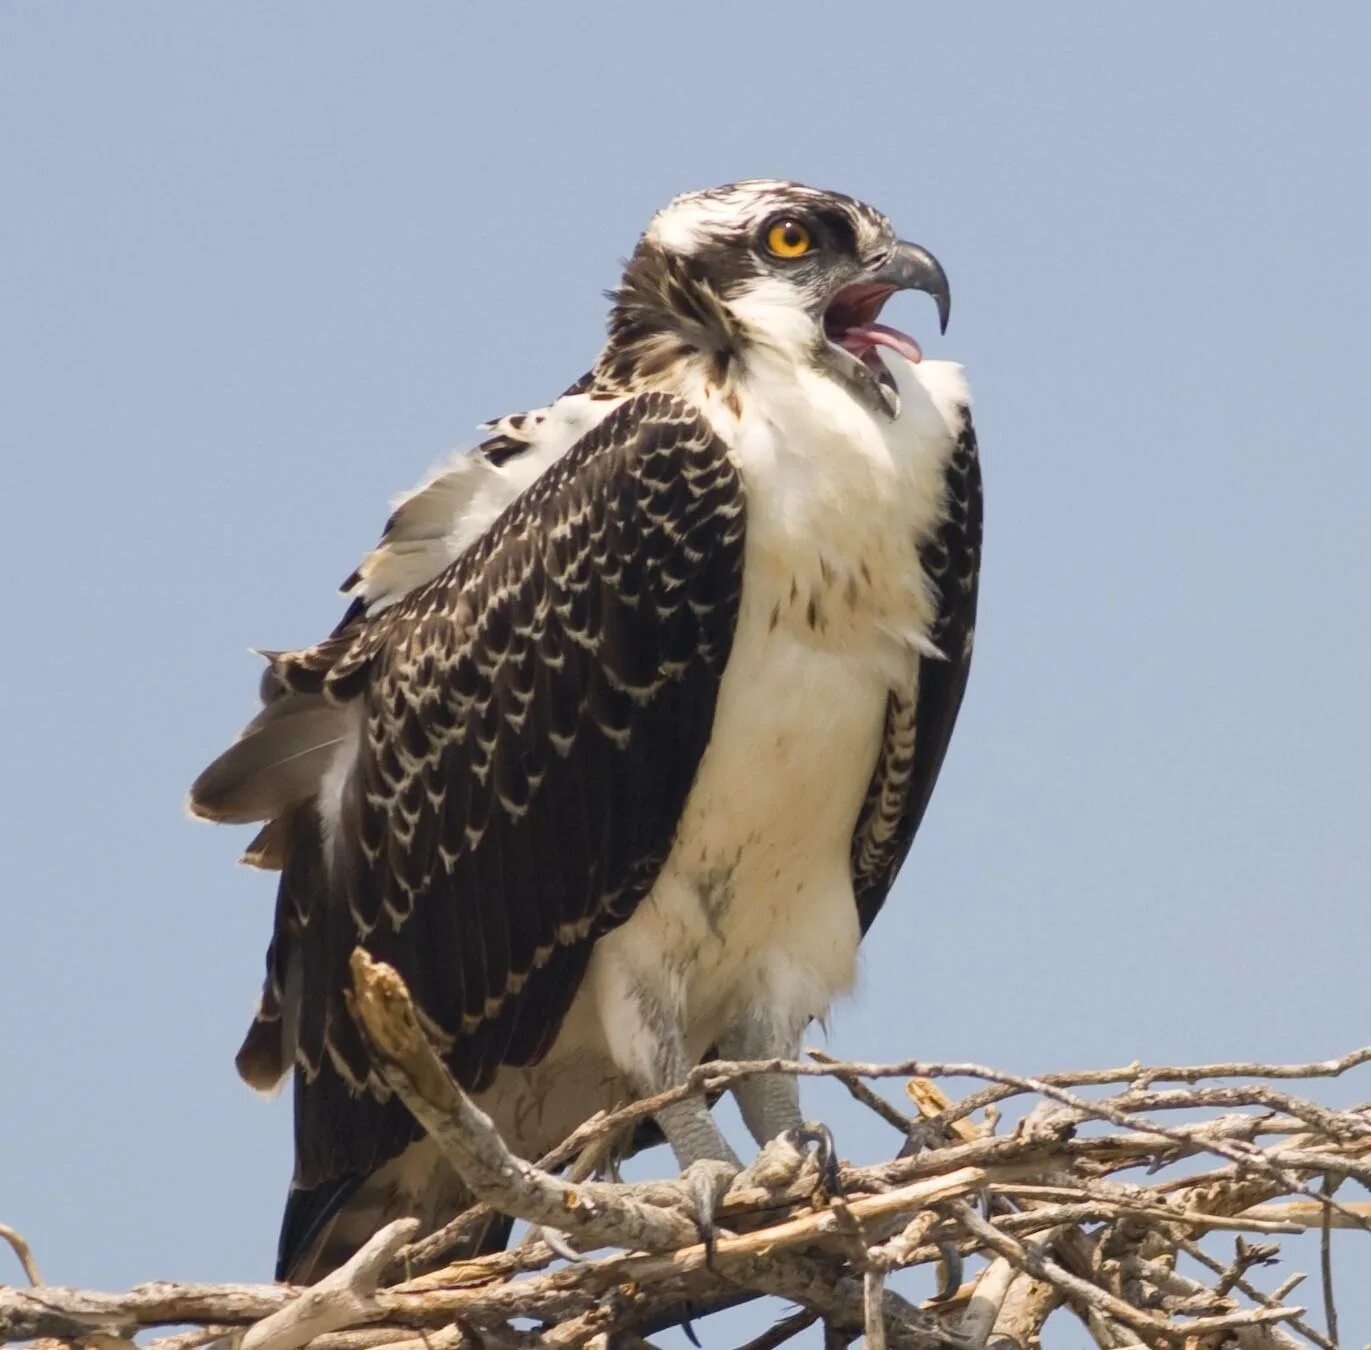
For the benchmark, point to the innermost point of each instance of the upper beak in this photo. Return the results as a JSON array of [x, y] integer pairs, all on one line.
[[910, 268]]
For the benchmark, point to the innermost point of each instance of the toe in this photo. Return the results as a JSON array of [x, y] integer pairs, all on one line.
[[817, 1135], [706, 1184], [777, 1165], [559, 1244]]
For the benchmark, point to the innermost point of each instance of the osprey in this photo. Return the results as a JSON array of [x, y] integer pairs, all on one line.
[[632, 719]]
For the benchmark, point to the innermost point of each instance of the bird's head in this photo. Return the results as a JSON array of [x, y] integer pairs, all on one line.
[[767, 265]]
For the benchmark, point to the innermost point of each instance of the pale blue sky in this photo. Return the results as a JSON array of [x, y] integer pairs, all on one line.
[[262, 264]]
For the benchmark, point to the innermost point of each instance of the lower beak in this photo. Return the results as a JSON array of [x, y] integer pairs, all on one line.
[[910, 268]]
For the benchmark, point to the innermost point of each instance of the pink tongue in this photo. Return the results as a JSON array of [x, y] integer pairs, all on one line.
[[865, 335]]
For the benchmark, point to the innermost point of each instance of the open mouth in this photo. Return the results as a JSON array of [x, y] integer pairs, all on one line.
[[850, 323]]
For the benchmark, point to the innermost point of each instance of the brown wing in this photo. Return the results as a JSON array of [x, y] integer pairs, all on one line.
[[527, 728], [919, 723]]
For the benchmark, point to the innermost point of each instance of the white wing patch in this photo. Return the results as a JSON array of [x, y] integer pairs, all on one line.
[[432, 525]]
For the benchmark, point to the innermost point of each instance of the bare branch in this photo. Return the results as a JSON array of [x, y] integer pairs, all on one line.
[[470, 1142], [23, 1251], [785, 1330], [1086, 1222], [340, 1300], [1330, 1307], [860, 1092], [987, 1301]]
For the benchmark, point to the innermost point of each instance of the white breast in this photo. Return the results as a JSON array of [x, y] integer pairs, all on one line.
[[754, 908], [755, 903]]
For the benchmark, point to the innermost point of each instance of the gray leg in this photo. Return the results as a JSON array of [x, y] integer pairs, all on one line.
[[770, 1102], [698, 1142], [693, 1135], [642, 1008], [701, 1150]]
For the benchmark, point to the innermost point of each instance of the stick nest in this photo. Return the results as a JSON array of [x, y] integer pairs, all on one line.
[[1145, 1201]]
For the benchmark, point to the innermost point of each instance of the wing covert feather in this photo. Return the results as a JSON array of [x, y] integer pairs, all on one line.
[[532, 723]]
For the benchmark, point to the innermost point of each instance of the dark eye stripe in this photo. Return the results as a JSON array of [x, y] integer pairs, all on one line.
[[837, 231]]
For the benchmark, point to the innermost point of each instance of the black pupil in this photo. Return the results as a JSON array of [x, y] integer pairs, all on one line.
[[792, 233]]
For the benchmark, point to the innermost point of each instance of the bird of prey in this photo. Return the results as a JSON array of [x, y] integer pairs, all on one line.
[[632, 719]]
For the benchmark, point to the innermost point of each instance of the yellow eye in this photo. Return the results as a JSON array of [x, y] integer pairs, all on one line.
[[788, 239]]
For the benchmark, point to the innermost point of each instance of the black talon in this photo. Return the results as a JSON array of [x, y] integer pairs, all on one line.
[[825, 1153], [688, 1327], [952, 1271], [917, 1141]]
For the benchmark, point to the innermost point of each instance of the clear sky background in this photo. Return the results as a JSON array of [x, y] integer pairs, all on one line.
[[262, 264]]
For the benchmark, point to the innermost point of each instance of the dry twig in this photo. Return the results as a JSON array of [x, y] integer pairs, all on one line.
[[23, 1252], [1091, 1221]]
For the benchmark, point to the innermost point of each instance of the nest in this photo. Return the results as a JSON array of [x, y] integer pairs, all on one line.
[[1145, 1202]]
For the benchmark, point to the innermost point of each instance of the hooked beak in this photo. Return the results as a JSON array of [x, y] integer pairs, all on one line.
[[907, 267]]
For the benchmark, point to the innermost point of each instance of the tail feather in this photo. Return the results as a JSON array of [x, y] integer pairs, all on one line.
[[261, 1059], [270, 846], [278, 762], [268, 1049], [325, 1224], [309, 1214]]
